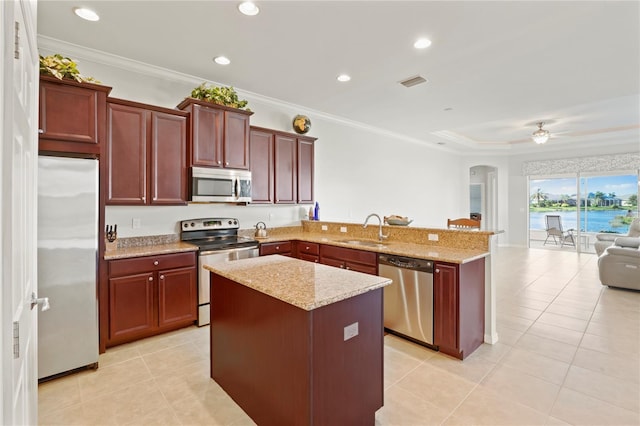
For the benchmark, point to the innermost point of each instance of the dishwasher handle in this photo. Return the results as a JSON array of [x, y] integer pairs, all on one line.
[[407, 263]]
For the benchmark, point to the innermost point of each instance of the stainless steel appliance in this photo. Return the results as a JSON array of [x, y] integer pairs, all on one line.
[[218, 242], [220, 185], [67, 264], [408, 301]]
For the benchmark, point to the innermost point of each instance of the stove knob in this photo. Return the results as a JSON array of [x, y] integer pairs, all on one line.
[[193, 224], [235, 222], [185, 225], [230, 222]]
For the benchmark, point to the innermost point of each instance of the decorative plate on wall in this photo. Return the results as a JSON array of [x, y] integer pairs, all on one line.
[[301, 124]]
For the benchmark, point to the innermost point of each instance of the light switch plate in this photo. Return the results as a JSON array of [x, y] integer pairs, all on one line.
[[136, 223], [343, 229], [350, 331], [433, 237], [325, 227]]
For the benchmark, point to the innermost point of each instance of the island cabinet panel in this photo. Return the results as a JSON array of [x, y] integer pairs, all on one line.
[[219, 135], [351, 259], [150, 295], [146, 154], [284, 248], [71, 116], [262, 173], [285, 155], [458, 307], [297, 368]]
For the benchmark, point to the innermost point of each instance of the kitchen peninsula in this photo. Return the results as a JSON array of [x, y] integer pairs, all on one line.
[[295, 342]]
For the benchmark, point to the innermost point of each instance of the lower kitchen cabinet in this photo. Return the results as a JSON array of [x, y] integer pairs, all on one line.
[[355, 260], [150, 295], [458, 312], [284, 248], [308, 251]]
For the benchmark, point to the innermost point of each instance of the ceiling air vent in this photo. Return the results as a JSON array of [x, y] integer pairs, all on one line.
[[412, 81]]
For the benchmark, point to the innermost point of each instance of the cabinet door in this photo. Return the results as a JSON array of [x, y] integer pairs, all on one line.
[[445, 310], [168, 172], [131, 306], [285, 169], [360, 267], [68, 113], [305, 171], [177, 298], [126, 155], [261, 153], [236, 140], [207, 134]]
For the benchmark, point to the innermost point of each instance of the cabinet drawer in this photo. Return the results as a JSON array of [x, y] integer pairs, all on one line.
[[308, 248], [122, 267], [283, 247], [309, 257], [345, 254]]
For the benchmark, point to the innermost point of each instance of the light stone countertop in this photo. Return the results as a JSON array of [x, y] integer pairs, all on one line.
[[148, 250], [399, 248], [303, 284]]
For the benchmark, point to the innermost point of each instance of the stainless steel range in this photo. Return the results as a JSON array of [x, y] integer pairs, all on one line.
[[218, 242]]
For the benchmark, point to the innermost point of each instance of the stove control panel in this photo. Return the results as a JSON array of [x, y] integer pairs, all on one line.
[[209, 223]]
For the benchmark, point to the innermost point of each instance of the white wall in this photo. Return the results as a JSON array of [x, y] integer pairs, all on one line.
[[359, 170]]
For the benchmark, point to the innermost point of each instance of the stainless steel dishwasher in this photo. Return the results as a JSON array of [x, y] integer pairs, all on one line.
[[408, 301]]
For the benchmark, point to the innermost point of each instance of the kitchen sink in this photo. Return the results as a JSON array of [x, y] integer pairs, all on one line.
[[367, 243]]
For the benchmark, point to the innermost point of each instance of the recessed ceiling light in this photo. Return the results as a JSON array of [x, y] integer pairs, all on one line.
[[221, 60], [422, 43], [87, 14], [343, 78], [248, 8]]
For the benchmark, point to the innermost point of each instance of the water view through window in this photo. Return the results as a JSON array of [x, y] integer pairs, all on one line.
[[605, 203]]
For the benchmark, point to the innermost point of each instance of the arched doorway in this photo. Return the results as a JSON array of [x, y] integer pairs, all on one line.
[[483, 195]]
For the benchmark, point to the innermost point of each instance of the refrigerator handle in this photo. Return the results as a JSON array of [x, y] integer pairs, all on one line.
[[44, 301]]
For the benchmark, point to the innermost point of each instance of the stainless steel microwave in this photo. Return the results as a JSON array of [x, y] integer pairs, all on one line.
[[220, 185]]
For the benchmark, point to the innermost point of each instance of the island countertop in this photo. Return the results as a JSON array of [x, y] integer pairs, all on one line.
[[303, 284]]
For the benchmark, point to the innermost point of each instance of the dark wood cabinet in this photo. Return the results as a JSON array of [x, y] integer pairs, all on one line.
[[308, 251], [219, 135], [150, 295], [305, 170], [261, 153], [282, 167], [146, 154], [346, 258], [71, 116], [285, 167], [284, 248], [458, 294]]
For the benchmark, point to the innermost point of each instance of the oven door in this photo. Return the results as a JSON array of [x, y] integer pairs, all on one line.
[[211, 258]]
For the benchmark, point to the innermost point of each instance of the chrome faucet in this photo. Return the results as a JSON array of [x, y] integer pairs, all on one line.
[[380, 236]]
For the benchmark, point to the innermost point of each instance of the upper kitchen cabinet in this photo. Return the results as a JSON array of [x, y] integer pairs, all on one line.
[[146, 154], [219, 135], [281, 167], [71, 116]]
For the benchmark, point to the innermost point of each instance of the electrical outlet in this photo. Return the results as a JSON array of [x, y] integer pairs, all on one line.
[[325, 227], [136, 223], [343, 229], [433, 237], [350, 331]]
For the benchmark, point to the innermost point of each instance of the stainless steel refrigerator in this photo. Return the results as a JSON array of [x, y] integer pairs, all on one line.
[[67, 264]]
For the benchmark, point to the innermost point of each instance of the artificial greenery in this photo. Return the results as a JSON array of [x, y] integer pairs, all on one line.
[[62, 68], [226, 96]]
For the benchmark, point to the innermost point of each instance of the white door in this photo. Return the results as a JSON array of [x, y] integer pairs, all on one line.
[[18, 198]]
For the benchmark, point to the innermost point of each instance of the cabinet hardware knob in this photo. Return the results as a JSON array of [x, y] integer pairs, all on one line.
[[162, 277], [277, 247], [226, 163], [155, 262], [342, 266], [40, 131], [437, 271], [150, 278], [219, 162], [347, 268]]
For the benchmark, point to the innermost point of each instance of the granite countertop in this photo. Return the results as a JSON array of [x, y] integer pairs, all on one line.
[[303, 284], [148, 250], [399, 248]]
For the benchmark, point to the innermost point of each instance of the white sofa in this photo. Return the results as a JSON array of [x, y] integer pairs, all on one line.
[[604, 240], [619, 265]]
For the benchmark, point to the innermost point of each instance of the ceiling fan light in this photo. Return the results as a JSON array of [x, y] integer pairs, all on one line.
[[540, 136]]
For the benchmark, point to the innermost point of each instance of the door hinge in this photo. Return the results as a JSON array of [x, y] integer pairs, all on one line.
[[16, 340], [16, 51]]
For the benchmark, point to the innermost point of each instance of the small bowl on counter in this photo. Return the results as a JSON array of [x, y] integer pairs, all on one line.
[[396, 221]]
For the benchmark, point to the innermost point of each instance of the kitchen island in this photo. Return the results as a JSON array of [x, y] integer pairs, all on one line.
[[294, 342]]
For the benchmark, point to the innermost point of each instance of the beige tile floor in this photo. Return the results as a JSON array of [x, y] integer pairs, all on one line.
[[569, 353]]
